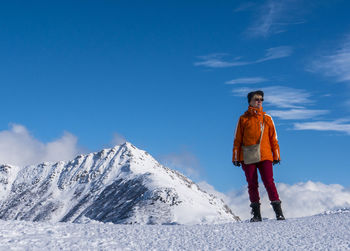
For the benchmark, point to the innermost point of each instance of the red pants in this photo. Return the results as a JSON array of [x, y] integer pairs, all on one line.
[[266, 173]]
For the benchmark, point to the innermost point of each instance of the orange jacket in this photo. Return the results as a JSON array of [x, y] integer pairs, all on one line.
[[248, 133]]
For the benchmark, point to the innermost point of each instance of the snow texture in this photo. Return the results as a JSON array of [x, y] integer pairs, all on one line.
[[122, 185], [329, 231]]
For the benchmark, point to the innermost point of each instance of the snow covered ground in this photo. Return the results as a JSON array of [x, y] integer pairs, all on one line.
[[329, 231]]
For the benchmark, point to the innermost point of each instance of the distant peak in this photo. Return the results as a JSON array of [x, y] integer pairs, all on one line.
[[125, 145]]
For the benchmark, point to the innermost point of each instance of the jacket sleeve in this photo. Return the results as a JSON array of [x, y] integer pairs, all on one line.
[[274, 141], [237, 142]]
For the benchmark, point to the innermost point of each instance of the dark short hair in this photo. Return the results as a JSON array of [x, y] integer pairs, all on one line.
[[251, 94]]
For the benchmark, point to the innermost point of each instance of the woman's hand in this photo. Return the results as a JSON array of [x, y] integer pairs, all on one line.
[[236, 163], [276, 162]]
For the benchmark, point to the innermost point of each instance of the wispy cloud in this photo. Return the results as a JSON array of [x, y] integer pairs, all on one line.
[[279, 96], [297, 113], [253, 80], [274, 17], [19, 147], [291, 102], [336, 64], [218, 60], [276, 52], [298, 200], [337, 125], [183, 161], [117, 139]]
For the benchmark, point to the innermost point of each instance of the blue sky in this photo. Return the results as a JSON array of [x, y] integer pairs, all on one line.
[[171, 77]]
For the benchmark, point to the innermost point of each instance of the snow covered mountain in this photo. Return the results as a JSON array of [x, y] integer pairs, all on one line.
[[119, 185]]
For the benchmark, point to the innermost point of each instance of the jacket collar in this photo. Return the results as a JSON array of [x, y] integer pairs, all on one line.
[[255, 111]]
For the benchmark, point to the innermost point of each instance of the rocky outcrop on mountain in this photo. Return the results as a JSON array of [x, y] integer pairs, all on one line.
[[120, 185]]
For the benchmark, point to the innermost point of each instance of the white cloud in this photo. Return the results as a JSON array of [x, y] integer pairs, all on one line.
[[295, 101], [276, 52], [252, 80], [19, 147], [274, 17], [297, 113], [217, 60], [279, 96], [184, 161], [305, 199], [265, 25], [336, 64], [298, 200], [337, 125]]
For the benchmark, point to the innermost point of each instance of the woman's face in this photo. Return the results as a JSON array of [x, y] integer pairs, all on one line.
[[256, 101]]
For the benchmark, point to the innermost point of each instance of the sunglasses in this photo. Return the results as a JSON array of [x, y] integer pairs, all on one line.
[[259, 99]]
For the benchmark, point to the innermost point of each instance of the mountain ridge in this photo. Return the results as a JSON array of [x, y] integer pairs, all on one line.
[[122, 184]]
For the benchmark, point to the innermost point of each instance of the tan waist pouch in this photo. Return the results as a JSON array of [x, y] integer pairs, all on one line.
[[251, 154]]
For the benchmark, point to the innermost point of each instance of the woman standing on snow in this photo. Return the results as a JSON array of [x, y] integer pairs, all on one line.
[[256, 147]]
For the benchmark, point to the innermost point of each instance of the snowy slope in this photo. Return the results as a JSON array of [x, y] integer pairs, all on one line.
[[119, 185], [329, 231]]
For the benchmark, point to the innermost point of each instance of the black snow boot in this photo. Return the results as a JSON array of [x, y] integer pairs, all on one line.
[[255, 212], [278, 210]]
